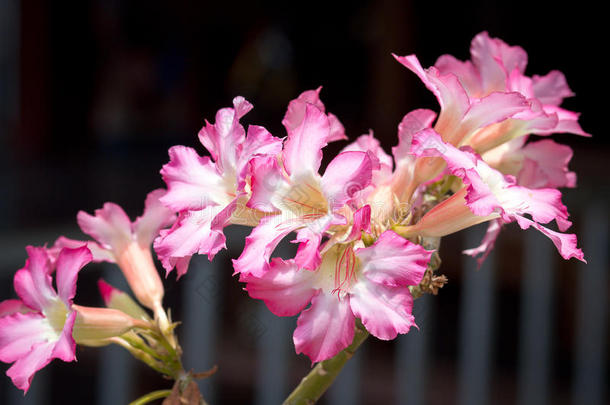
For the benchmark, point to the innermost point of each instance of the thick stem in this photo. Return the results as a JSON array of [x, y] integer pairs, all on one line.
[[324, 373]]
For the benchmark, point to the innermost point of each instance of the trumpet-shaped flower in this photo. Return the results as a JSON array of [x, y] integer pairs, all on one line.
[[44, 324], [352, 281], [498, 67], [489, 195], [128, 244], [306, 202], [489, 101], [211, 193]]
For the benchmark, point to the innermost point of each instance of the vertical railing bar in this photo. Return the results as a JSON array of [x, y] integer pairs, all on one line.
[[412, 356], [536, 320], [202, 293], [476, 327], [590, 381]]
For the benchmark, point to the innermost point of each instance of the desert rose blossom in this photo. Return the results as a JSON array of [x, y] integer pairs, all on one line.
[[495, 75], [351, 281], [297, 198], [44, 324], [211, 193], [488, 195], [118, 240]]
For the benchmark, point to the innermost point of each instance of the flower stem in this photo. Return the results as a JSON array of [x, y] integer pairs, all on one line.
[[151, 396], [324, 373]]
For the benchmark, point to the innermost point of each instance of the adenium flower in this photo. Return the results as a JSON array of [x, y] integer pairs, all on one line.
[[118, 240], [488, 195], [489, 101], [211, 193], [351, 281], [44, 324], [297, 198]]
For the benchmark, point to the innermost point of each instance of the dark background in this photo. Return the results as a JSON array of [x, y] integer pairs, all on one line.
[[94, 93]]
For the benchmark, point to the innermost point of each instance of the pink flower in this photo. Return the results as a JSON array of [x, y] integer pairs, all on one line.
[[489, 195], [489, 101], [40, 328], [211, 193], [352, 281], [498, 67], [306, 202], [128, 244]]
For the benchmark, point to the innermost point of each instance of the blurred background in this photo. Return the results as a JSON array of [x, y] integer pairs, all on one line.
[[93, 93]]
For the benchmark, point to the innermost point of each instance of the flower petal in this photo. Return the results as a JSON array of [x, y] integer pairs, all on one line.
[[303, 147], [551, 88], [284, 288], [261, 243], [33, 283], [393, 260], [69, 263], [193, 232], [155, 217], [192, 181], [110, 226], [325, 328], [385, 311], [347, 174]]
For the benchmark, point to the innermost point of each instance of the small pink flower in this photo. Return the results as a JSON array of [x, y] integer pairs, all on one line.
[[211, 193], [487, 195], [352, 281], [40, 328], [128, 244]]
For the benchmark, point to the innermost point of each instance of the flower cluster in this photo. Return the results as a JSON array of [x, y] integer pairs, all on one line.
[[360, 226], [44, 323], [357, 224]]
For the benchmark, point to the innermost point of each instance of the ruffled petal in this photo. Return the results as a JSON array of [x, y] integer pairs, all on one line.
[[155, 217], [193, 182], [110, 226], [265, 180], [347, 174], [33, 283], [495, 60], [546, 165], [411, 123], [308, 254], [487, 244], [385, 311], [449, 92], [565, 243], [69, 263], [325, 328], [23, 370], [296, 112], [303, 147], [20, 332], [393, 260], [284, 288], [223, 139], [551, 88], [99, 253], [261, 243], [193, 232]]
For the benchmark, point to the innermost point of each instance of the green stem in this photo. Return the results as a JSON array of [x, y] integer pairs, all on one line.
[[151, 396], [324, 373]]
